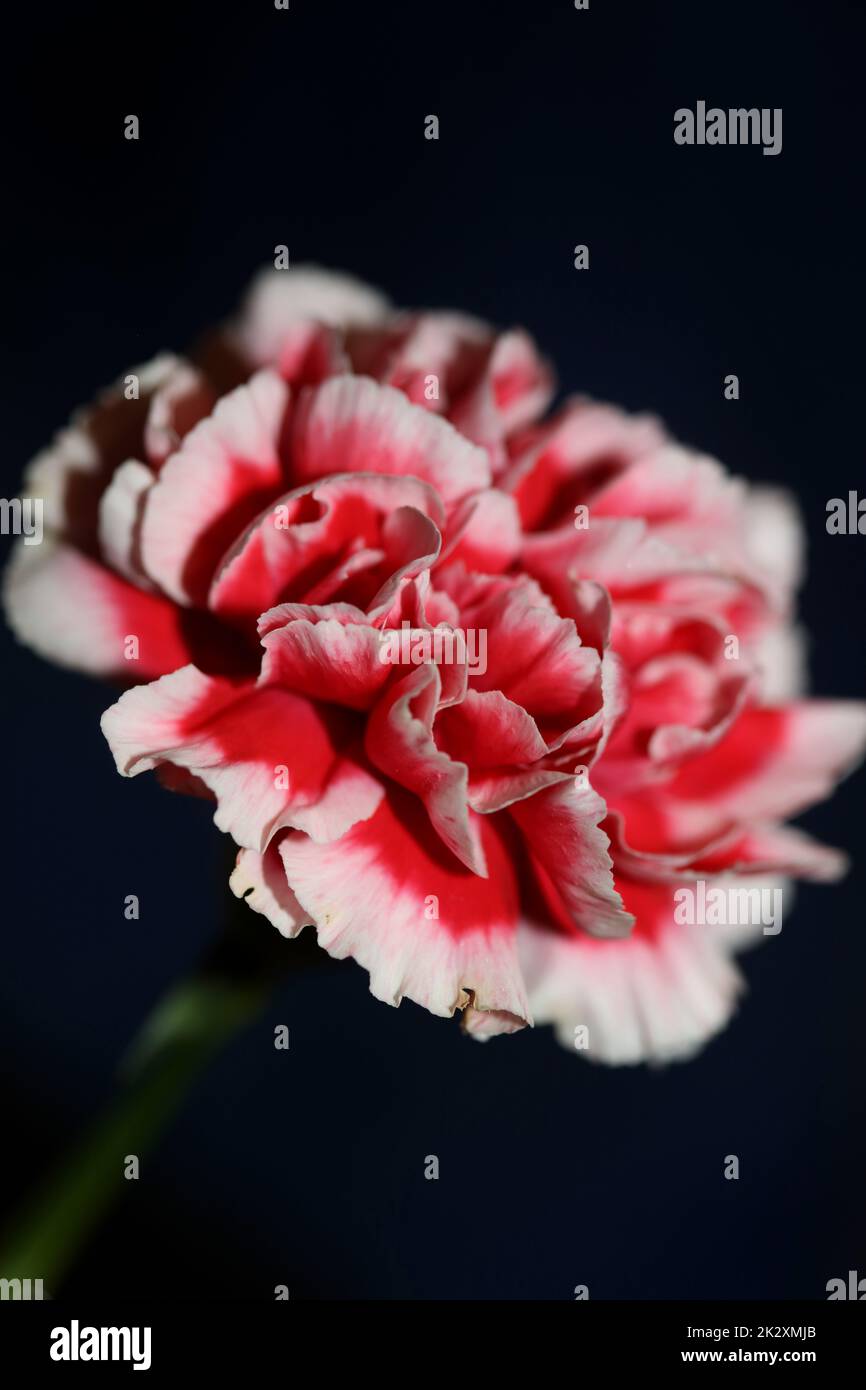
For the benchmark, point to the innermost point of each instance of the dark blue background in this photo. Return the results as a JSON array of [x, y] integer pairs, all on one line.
[[261, 127]]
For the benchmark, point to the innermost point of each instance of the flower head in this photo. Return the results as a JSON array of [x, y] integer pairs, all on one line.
[[476, 692]]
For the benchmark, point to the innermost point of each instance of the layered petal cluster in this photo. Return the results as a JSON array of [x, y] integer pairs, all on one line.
[[475, 690]]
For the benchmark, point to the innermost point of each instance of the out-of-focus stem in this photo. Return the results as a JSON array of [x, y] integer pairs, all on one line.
[[188, 1026]]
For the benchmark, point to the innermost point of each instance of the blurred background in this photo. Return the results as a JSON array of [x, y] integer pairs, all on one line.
[[306, 127]]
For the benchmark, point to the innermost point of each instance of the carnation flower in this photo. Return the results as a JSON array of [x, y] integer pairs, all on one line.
[[293, 550]]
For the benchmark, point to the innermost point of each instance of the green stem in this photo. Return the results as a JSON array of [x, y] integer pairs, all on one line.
[[188, 1028], [189, 1025]]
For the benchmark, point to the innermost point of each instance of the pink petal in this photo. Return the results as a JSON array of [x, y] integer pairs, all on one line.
[[684, 696]]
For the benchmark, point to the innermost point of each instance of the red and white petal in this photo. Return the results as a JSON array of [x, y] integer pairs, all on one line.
[[570, 855], [74, 612], [327, 659], [778, 654], [72, 473], [283, 613], [180, 401], [773, 763], [260, 879], [514, 388], [120, 511], [224, 473], [271, 758], [775, 541], [658, 996], [777, 850], [565, 463], [485, 533], [428, 356], [392, 896], [487, 730], [534, 656], [278, 299], [501, 745], [351, 424], [406, 646], [411, 546], [415, 603], [309, 353], [310, 537], [623, 555], [698, 707], [399, 741], [694, 506], [671, 487], [683, 694]]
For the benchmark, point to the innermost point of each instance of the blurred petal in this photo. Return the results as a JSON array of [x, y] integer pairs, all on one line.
[[74, 612], [352, 425]]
